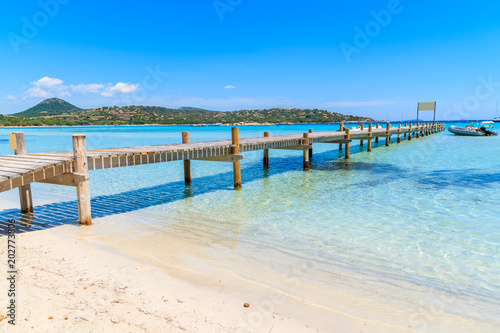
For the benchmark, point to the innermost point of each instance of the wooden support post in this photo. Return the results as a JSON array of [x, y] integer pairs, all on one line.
[[370, 133], [361, 141], [376, 138], [406, 125], [235, 138], [341, 129], [418, 130], [82, 188], [25, 197], [409, 134], [306, 152], [399, 133], [387, 138], [347, 137], [310, 150], [187, 163], [266, 152]]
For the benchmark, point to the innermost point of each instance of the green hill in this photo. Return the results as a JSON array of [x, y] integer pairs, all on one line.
[[55, 111], [48, 107]]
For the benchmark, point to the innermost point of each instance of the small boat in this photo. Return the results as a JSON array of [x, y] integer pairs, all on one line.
[[484, 129], [497, 118]]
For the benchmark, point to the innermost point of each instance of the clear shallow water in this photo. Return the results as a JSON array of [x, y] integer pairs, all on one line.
[[420, 219]]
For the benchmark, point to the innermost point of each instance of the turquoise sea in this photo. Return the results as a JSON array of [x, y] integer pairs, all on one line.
[[414, 226]]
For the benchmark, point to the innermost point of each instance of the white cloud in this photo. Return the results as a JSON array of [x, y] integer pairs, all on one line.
[[47, 87], [11, 98], [229, 87], [93, 88], [120, 89]]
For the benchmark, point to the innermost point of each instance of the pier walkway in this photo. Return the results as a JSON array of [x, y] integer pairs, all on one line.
[[71, 168]]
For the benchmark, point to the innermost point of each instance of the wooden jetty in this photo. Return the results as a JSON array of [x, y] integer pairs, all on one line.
[[72, 168]]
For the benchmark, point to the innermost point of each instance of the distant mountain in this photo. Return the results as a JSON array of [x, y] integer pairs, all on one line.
[[55, 111], [49, 107]]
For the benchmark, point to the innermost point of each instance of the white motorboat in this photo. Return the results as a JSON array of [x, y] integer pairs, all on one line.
[[484, 129]]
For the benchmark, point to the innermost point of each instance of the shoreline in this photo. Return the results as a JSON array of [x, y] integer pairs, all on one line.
[[103, 291], [103, 287], [194, 124]]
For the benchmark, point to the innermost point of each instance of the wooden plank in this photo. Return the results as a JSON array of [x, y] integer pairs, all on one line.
[[295, 147], [5, 184], [35, 158], [21, 164], [21, 167], [223, 158], [67, 179], [16, 170], [50, 155], [114, 151], [9, 174], [17, 181]]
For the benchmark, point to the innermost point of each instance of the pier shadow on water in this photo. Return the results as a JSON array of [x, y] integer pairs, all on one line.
[[61, 213]]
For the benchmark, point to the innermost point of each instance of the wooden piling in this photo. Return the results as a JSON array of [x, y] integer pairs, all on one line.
[[235, 138], [347, 137], [306, 151], [82, 188], [361, 141], [409, 134], [376, 138], [25, 196], [387, 132], [341, 129], [266, 152], [418, 130], [187, 163], [370, 133], [399, 133], [406, 125], [310, 150]]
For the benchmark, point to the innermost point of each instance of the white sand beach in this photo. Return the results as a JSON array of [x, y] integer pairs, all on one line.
[[68, 285]]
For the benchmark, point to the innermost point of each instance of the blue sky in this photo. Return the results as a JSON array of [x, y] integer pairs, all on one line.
[[373, 58]]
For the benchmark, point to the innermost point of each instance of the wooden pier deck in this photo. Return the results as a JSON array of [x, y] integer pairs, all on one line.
[[71, 168]]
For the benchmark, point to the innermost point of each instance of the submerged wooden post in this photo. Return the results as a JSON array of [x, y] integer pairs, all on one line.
[[266, 152], [361, 141], [409, 133], [310, 150], [18, 143], [82, 188], [376, 138], [387, 138], [399, 133], [187, 163], [341, 129], [235, 138], [406, 125], [370, 133], [306, 151], [347, 137]]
